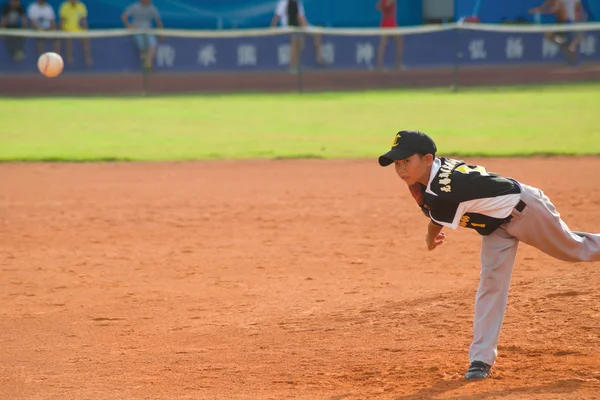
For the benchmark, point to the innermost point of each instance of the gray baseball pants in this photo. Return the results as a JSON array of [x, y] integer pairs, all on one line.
[[538, 225]]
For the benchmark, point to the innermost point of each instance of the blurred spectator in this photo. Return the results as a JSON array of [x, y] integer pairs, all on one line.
[[14, 17], [291, 13], [142, 15], [388, 20], [42, 18], [565, 12], [73, 18]]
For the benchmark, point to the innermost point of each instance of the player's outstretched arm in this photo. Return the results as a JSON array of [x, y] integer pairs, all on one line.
[[435, 236], [547, 7]]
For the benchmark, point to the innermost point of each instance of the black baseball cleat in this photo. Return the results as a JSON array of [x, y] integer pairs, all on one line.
[[478, 370]]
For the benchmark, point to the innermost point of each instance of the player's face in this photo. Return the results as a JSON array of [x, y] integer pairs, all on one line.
[[413, 169]]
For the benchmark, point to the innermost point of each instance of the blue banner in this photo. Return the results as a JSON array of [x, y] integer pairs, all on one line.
[[271, 53]]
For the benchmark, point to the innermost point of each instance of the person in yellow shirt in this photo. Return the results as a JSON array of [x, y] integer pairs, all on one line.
[[73, 18]]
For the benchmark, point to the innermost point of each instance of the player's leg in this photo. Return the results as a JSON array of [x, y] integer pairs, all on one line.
[[85, 42], [40, 46], [498, 252], [140, 43], [577, 38], [399, 51], [12, 45], [541, 226], [318, 49], [570, 54], [69, 50], [381, 50], [294, 52], [555, 37], [152, 43], [57, 46], [301, 46], [20, 48], [571, 41]]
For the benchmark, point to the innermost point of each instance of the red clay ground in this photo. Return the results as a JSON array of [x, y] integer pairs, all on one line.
[[275, 279], [311, 81]]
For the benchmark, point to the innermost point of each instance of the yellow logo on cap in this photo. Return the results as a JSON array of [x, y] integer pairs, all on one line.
[[396, 140]]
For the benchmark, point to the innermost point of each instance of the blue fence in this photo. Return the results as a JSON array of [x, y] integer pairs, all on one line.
[[227, 14], [272, 52]]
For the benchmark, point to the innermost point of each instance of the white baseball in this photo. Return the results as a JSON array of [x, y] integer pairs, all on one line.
[[50, 64]]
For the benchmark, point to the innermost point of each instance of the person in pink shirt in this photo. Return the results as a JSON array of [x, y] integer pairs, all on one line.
[[388, 20]]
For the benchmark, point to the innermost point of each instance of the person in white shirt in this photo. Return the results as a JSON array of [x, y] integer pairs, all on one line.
[[565, 12], [573, 13], [291, 13], [42, 18]]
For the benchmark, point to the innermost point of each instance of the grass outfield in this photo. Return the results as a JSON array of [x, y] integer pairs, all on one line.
[[489, 122]]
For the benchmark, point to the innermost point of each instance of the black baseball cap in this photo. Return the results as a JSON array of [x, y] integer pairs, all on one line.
[[407, 143]]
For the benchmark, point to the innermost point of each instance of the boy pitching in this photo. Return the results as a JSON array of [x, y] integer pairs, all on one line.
[[452, 193]]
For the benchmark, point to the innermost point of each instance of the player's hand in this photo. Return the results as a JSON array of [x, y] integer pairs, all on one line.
[[435, 242], [534, 11]]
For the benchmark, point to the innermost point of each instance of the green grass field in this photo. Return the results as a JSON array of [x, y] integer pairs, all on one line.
[[487, 122]]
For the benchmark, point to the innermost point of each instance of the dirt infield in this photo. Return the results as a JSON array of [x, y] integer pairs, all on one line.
[[302, 279], [157, 83]]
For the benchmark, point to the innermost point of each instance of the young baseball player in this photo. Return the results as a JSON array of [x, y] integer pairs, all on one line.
[[452, 193]]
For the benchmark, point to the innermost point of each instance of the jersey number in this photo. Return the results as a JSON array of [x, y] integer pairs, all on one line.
[[465, 169]]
